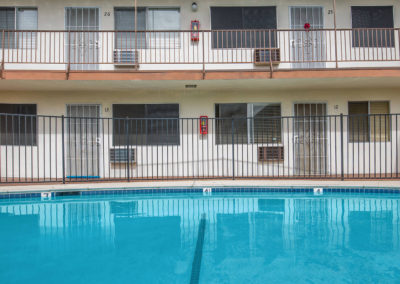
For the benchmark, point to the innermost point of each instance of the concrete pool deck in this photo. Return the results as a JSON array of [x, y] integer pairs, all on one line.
[[200, 183]]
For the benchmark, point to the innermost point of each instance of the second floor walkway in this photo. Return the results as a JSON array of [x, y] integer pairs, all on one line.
[[266, 52]]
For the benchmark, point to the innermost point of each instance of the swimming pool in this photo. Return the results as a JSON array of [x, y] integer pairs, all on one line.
[[226, 237]]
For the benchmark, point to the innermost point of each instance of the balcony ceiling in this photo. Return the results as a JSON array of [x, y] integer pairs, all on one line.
[[202, 85]]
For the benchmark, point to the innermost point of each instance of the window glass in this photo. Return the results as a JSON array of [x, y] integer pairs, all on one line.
[[160, 19], [259, 122], [163, 19], [266, 123], [153, 124], [125, 21], [22, 19], [243, 27], [18, 130], [7, 22], [27, 21], [369, 121], [380, 121], [7, 18], [230, 117], [373, 18], [358, 122]]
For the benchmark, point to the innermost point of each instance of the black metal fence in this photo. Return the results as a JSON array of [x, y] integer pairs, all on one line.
[[37, 148]]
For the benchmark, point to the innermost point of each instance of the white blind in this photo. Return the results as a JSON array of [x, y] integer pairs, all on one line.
[[160, 19], [27, 22]]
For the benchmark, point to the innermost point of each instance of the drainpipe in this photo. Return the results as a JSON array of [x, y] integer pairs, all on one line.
[[335, 31]]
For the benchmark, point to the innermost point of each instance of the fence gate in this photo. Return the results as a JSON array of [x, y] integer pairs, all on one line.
[[310, 139], [83, 141], [83, 40], [307, 47]]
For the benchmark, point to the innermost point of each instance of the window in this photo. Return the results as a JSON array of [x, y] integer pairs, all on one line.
[[125, 21], [152, 124], [21, 19], [243, 27], [150, 19], [18, 130], [369, 122], [374, 24], [251, 123]]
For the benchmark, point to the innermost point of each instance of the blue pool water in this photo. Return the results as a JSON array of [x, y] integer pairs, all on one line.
[[191, 238]]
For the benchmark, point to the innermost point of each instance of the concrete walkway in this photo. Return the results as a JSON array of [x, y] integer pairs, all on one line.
[[200, 183]]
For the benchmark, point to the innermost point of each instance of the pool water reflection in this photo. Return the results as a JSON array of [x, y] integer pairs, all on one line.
[[255, 238]]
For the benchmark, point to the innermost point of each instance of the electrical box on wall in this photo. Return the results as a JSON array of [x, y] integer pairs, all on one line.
[[195, 27], [203, 125]]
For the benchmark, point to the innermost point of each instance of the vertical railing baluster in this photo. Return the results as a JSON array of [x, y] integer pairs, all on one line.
[[341, 147], [233, 149], [63, 149], [127, 148], [3, 53]]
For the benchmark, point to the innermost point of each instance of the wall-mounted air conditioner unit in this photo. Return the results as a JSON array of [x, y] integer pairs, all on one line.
[[270, 153], [122, 155], [126, 58], [265, 56]]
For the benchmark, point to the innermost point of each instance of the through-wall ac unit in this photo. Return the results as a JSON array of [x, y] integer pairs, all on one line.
[[126, 57], [122, 155], [270, 154], [266, 56]]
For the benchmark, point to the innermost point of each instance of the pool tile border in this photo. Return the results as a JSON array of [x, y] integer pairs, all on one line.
[[220, 189]]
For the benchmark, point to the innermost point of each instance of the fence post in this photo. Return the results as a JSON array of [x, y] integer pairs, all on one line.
[[203, 50], [341, 148], [233, 149], [127, 149], [3, 38], [63, 148], [69, 54]]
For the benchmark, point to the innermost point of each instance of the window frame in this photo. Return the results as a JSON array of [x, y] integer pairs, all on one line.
[[250, 128], [217, 34], [360, 33], [148, 36], [146, 132], [388, 137], [35, 124], [14, 39]]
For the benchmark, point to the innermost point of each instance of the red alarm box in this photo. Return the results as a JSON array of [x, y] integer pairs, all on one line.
[[195, 27], [203, 125]]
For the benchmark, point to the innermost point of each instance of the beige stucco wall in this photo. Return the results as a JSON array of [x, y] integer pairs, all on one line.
[[51, 12], [194, 103]]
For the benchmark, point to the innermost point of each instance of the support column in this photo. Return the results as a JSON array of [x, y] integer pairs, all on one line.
[[335, 31]]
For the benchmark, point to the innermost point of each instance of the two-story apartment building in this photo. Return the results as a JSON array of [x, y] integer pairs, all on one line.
[[199, 89]]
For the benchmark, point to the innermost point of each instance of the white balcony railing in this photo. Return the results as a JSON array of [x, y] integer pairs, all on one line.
[[179, 50]]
